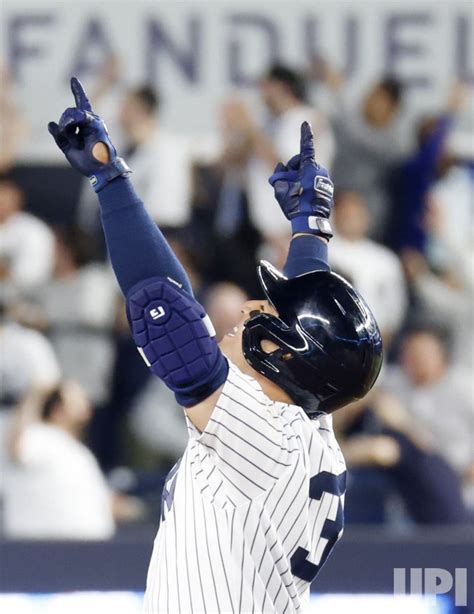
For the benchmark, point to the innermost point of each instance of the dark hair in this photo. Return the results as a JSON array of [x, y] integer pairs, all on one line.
[[441, 333], [339, 194], [292, 79], [8, 178], [393, 87], [148, 96], [50, 402]]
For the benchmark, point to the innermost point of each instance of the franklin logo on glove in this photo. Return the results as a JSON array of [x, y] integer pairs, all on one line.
[[324, 187]]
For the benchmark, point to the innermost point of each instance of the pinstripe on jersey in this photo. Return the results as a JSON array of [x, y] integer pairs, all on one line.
[[246, 519]]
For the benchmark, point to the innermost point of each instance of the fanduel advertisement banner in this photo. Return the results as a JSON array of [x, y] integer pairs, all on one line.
[[199, 52]]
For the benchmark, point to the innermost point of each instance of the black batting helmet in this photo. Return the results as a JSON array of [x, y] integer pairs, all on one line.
[[329, 345]]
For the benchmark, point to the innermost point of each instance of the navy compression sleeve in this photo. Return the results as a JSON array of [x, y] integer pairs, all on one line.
[[307, 253], [137, 248]]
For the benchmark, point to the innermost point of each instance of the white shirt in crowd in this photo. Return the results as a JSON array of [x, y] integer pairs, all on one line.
[[455, 229], [162, 177], [27, 360], [57, 490], [27, 245], [452, 246], [377, 274], [285, 135]]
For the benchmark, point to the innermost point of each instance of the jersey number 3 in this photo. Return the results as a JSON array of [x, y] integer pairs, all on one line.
[[321, 483]]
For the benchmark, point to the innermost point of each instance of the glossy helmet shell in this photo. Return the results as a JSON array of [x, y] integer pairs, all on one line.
[[330, 347]]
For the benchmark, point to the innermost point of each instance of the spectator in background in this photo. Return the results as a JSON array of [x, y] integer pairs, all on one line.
[[441, 278], [368, 143], [55, 489], [445, 298], [415, 176], [156, 420], [261, 146], [77, 308], [223, 303], [374, 269], [220, 218], [27, 360], [161, 161], [26, 243], [449, 222], [388, 456], [437, 395]]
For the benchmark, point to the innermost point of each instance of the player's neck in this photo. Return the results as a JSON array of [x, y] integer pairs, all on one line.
[[273, 392]]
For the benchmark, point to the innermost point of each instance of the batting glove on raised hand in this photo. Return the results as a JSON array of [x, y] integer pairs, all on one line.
[[304, 190], [80, 134]]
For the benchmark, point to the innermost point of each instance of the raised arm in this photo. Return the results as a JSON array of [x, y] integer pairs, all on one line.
[[304, 192], [171, 329], [137, 248]]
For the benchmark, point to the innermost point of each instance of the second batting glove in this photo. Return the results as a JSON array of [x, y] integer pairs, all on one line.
[[304, 190]]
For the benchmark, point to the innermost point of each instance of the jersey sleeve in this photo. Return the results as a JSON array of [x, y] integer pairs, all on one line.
[[246, 439]]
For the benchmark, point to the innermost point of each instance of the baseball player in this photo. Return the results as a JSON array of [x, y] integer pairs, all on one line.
[[255, 505]]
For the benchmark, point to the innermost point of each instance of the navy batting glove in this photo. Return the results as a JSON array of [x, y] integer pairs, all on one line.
[[76, 135], [304, 190]]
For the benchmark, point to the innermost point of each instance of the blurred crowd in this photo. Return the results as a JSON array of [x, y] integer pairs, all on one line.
[[87, 436]]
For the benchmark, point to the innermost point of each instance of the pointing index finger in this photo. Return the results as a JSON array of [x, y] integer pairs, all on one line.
[[80, 97], [307, 144]]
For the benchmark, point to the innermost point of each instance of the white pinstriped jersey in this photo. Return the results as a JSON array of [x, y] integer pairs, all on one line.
[[250, 511]]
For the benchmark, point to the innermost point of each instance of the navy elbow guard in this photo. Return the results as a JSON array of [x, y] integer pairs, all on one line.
[[176, 339]]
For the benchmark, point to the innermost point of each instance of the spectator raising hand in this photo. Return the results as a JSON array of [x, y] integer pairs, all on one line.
[[55, 488], [274, 138]]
